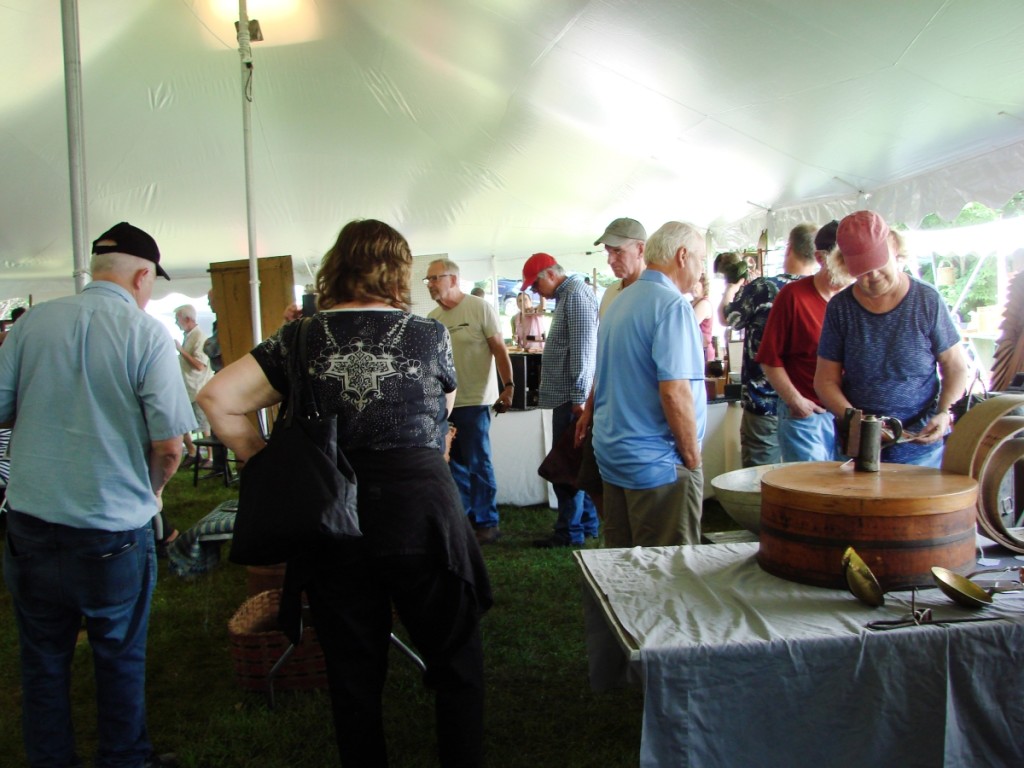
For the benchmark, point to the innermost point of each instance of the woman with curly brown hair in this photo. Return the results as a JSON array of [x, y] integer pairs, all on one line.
[[390, 378]]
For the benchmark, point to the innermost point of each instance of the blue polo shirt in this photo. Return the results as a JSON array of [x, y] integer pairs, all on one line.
[[90, 381], [648, 335]]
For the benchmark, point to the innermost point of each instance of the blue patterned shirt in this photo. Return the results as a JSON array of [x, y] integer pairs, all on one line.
[[567, 368], [889, 359], [748, 312]]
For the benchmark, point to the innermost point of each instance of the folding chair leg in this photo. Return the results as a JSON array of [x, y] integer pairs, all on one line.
[[395, 641], [408, 652], [273, 671]]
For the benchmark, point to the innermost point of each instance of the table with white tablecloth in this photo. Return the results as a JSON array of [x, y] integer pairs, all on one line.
[[741, 668], [519, 442], [521, 439], [720, 450]]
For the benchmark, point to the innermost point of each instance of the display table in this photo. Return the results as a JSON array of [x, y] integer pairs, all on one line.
[[519, 442], [741, 668], [521, 439]]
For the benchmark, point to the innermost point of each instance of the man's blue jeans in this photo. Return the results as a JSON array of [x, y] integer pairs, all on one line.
[[809, 439], [57, 575], [577, 515], [470, 464]]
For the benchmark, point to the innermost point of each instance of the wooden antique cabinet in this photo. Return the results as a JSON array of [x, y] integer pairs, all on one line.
[[233, 305]]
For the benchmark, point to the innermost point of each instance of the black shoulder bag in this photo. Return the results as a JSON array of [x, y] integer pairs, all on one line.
[[300, 486]]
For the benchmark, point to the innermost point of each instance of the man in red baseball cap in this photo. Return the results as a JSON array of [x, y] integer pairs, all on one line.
[[567, 373]]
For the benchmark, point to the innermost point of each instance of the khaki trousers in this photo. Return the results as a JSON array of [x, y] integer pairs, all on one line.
[[664, 516]]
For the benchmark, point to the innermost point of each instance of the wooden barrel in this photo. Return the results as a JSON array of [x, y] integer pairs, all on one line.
[[901, 520]]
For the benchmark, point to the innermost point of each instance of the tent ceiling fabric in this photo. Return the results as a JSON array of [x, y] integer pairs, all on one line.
[[499, 128]]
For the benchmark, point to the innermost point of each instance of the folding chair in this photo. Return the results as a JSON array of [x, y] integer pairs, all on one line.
[[221, 461]]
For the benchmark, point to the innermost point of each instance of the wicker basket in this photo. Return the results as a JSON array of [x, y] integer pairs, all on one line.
[[257, 644]]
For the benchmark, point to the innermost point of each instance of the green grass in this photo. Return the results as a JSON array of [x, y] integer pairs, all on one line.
[[540, 709]]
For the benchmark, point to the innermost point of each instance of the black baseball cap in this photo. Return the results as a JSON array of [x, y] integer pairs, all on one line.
[[825, 240], [124, 238]]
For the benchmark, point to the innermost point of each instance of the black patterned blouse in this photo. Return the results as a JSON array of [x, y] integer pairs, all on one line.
[[384, 373]]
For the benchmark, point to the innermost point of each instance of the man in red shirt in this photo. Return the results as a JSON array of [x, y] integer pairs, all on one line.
[[789, 352]]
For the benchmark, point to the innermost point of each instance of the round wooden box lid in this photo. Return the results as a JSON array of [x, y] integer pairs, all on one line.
[[901, 520], [835, 487]]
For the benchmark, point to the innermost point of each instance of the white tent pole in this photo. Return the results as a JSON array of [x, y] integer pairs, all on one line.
[[494, 282], [245, 51], [76, 140]]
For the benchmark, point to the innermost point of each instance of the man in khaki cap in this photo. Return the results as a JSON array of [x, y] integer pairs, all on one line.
[[623, 241]]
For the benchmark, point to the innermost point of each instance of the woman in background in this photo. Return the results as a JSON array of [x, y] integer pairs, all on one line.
[[702, 309], [390, 378], [527, 326]]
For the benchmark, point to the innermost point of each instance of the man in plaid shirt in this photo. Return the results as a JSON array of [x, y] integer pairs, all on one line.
[[567, 373]]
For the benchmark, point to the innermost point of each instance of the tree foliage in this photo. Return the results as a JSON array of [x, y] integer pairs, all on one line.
[[983, 290]]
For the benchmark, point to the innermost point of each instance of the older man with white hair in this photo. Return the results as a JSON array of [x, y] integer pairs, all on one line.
[[650, 404], [195, 370], [98, 408]]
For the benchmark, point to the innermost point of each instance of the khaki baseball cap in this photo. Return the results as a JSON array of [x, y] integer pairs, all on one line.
[[621, 231]]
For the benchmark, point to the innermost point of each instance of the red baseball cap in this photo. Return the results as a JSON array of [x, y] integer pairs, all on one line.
[[863, 239], [534, 266]]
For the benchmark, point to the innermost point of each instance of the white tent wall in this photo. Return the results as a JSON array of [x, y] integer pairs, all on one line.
[[991, 179], [492, 129]]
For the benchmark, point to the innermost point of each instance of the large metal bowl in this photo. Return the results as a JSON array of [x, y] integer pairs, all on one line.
[[739, 493]]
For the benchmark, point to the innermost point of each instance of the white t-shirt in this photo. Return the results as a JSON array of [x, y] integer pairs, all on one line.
[[611, 294], [194, 380], [471, 323]]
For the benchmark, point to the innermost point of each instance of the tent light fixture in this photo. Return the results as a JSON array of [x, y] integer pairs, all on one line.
[[255, 33]]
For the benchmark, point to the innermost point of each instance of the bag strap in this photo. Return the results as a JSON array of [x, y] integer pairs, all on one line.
[[293, 371], [302, 385]]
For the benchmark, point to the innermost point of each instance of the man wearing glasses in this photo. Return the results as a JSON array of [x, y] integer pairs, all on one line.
[[477, 345]]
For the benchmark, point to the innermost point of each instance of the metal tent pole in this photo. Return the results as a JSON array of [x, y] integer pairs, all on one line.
[[76, 141], [245, 52]]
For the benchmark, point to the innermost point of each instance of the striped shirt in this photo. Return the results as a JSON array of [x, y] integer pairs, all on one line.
[[567, 368]]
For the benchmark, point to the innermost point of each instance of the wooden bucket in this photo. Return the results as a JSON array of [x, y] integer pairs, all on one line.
[[901, 520]]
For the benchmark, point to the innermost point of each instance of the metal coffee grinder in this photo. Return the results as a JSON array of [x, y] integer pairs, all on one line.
[[867, 435]]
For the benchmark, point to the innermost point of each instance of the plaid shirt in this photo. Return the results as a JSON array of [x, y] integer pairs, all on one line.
[[570, 352]]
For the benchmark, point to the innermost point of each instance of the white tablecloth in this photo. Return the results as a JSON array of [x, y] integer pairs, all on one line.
[[720, 451], [741, 668], [521, 439], [519, 442]]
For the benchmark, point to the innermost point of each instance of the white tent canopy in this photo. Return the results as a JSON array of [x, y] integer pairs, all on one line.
[[491, 129]]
